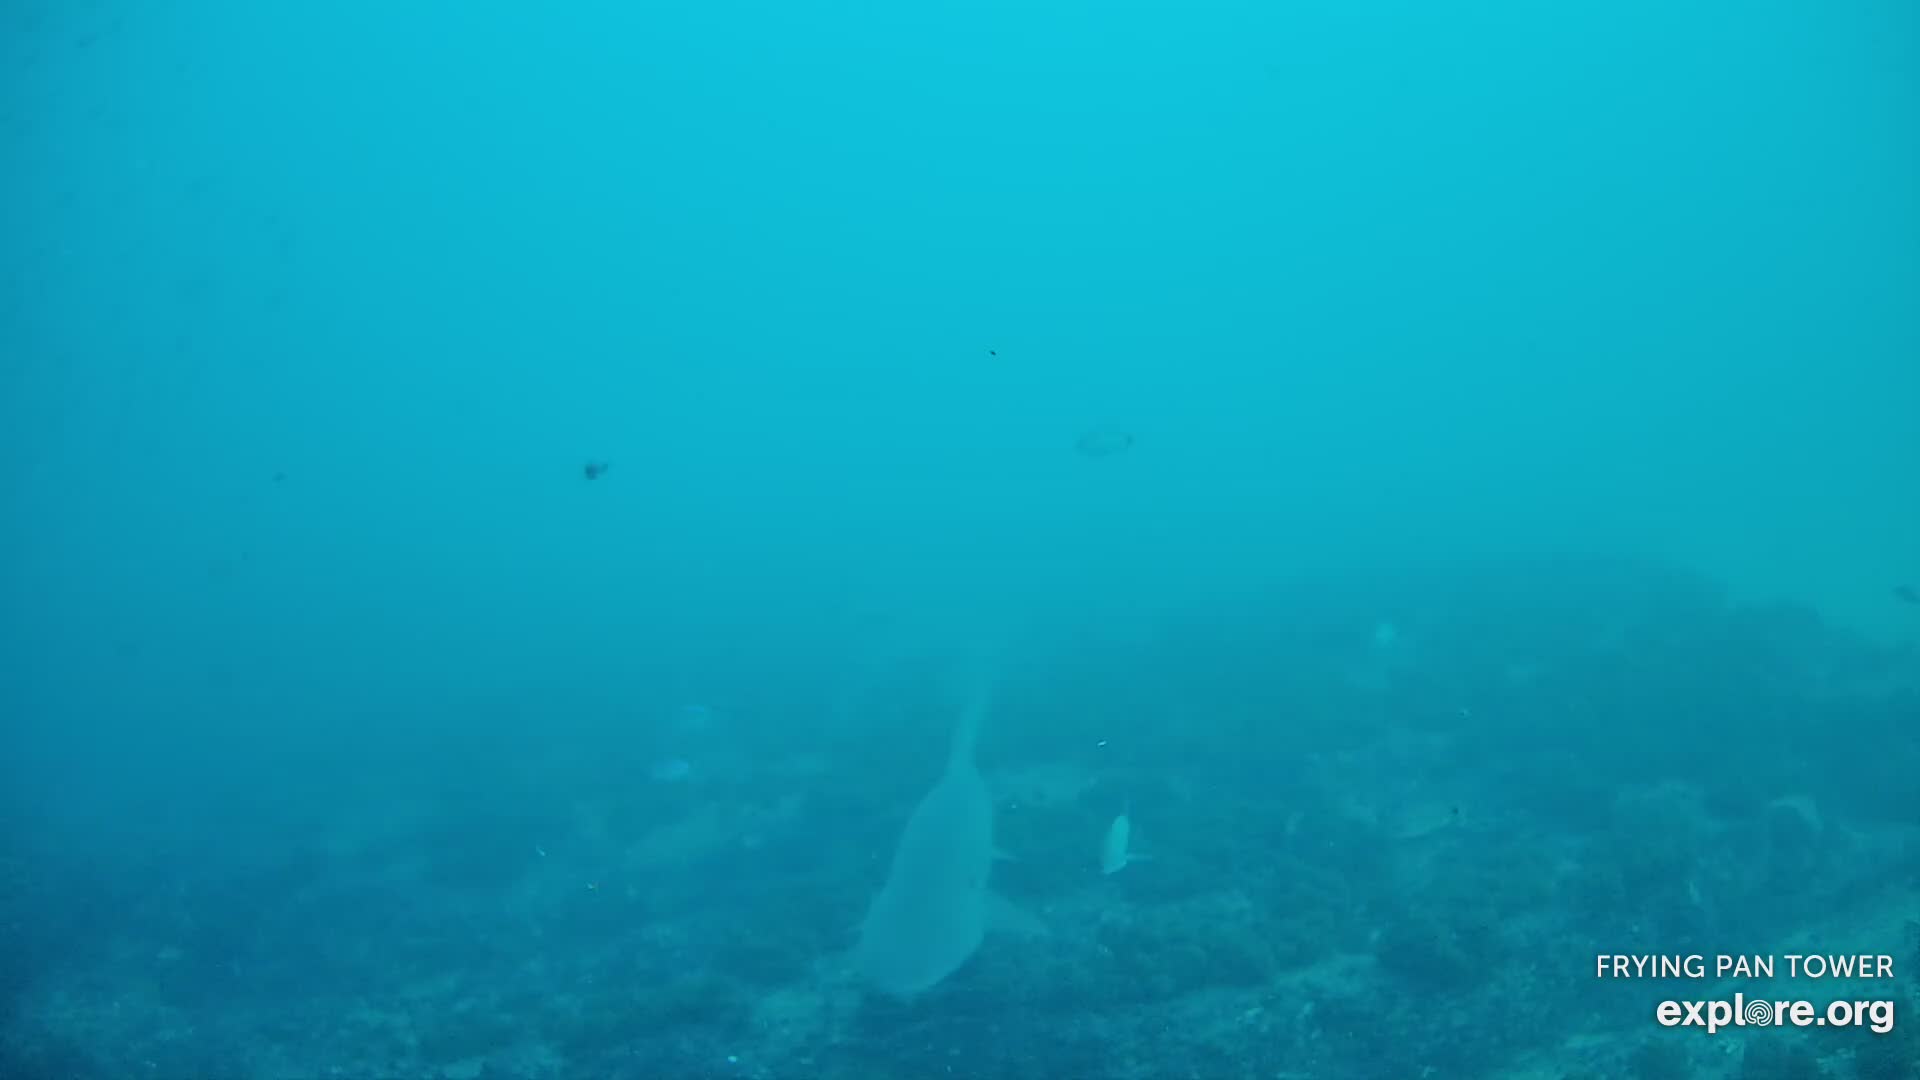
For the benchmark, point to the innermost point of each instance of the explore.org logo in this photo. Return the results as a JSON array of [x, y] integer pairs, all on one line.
[[1875, 1016], [1717, 1014]]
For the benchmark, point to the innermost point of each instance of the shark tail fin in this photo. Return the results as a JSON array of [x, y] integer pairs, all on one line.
[[981, 681], [966, 733]]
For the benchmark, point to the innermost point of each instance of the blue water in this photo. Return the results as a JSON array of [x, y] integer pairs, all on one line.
[[499, 500]]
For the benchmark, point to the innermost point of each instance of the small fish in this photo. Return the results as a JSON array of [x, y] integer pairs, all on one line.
[[1908, 593], [595, 469], [670, 770], [1104, 443]]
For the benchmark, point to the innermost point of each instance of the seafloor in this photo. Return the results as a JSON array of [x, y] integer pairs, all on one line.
[[1374, 852]]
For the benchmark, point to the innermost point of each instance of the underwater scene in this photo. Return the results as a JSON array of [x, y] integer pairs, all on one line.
[[1051, 540]]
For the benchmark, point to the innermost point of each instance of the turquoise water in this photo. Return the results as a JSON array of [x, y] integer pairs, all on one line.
[[503, 501]]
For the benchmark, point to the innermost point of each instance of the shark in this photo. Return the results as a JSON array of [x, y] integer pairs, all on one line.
[[935, 907]]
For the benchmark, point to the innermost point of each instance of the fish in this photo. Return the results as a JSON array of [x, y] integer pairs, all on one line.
[[1104, 443], [935, 907], [1114, 856], [670, 770]]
